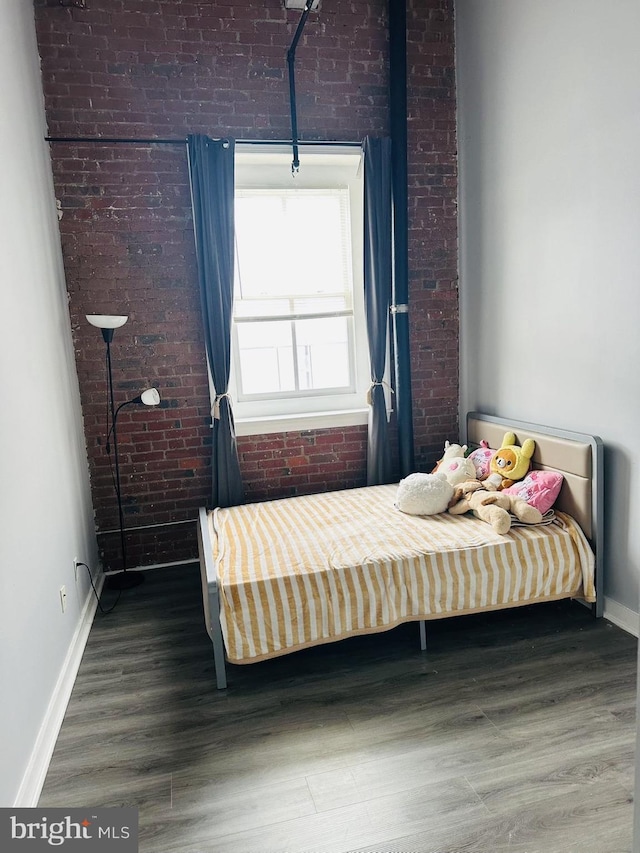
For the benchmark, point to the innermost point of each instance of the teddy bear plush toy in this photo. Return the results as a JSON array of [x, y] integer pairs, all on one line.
[[424, 494], [495, 508], [510, 463]]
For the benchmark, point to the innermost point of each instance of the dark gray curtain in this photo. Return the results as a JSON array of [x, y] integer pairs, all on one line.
[[377, 297], [212, 195]]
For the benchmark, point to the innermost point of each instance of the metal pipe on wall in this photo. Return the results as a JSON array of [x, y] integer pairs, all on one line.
[[400, 307], [291, 59], [101, 140]]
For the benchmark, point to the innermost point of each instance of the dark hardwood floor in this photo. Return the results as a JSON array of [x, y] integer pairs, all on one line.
[[514, 732]]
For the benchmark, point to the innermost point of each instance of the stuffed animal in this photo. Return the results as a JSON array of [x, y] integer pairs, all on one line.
[[458, 470], [511, 462], [481, 458], [424, 494], [495, 508], [451, 451]]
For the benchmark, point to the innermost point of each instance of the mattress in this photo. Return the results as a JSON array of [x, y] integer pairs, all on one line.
[[294, 573]]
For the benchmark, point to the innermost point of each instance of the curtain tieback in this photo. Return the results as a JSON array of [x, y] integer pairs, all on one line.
[[373, 385], [215, 411]]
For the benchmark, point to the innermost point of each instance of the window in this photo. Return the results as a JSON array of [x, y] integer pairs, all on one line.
[[299, 349]]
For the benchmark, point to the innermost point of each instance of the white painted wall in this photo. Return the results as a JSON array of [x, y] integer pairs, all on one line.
[[549, 142], [45, 506]]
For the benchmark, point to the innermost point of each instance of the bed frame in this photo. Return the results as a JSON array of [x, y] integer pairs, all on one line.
[[578, 456]]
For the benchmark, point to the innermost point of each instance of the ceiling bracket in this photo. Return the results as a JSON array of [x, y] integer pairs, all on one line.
[[291, 58]]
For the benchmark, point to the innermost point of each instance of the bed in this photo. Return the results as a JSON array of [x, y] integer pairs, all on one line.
[[283, 575]]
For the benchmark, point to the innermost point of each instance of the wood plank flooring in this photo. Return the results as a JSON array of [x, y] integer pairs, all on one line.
[[514, 732]]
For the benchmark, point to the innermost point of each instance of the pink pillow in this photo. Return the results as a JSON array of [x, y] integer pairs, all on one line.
[[481, 458], [539, 489]]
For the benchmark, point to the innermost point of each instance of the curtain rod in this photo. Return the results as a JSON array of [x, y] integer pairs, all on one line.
[[110, 140]]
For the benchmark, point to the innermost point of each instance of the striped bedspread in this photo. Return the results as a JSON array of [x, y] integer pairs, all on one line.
[[307, 570]]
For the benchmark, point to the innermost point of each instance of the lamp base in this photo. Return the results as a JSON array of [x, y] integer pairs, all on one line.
[[124, 580]]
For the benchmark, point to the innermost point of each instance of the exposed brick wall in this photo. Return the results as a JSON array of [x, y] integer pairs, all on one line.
[[162, 69], [301, 462]]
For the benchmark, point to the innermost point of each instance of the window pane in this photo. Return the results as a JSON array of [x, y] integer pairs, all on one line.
[[323, 353], [292, 243], [266, 357]]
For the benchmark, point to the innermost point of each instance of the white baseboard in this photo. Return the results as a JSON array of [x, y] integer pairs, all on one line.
[[36, 772], [622, 616]]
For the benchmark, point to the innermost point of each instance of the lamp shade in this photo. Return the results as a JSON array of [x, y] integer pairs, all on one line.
[[150, 397], [107, 321], [301, 4]]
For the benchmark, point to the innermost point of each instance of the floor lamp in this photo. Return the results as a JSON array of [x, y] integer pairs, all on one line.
[[107, 324]]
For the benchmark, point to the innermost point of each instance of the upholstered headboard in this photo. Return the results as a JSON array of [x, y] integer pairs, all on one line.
[[577, 456]]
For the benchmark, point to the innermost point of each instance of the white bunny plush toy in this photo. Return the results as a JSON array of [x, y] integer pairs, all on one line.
[[424, 494]]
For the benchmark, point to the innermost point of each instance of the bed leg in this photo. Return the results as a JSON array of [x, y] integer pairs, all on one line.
[[423, 635], [216, 639]]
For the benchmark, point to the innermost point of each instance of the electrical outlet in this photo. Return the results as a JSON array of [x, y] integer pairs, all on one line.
[[63, 598], [76, 561]]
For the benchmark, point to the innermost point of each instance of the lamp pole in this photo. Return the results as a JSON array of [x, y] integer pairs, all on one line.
[[124, 579], [107, 323], [116, 459]]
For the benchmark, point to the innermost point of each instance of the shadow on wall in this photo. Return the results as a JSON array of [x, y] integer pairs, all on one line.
[[617, 497]]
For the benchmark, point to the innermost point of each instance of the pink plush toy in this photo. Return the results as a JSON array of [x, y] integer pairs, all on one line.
[[481, 458], [539, 489]]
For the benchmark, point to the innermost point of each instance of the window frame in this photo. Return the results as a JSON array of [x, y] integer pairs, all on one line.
[[269, 167]]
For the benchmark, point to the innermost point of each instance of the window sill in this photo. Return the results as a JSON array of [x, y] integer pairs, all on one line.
[[297, 422]]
